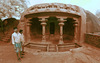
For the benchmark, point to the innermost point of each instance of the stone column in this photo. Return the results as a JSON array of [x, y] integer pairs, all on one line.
[[61, 23], [75, 31], [28, 29], [43, 23]]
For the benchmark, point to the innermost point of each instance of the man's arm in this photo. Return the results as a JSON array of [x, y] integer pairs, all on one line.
[[13, 40], [22, 38]]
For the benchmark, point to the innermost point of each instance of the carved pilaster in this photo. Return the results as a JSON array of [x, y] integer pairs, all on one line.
[[76, 31], [28, 29], [61, 23], [43, 23]]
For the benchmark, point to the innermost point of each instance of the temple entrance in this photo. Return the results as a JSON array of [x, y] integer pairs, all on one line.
[[69, 28], [35, 30], [52, 28]]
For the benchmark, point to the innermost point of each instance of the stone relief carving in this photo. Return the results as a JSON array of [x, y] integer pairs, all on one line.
[[50, 7]]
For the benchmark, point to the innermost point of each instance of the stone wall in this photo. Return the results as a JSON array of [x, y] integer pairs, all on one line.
[[93, 40]]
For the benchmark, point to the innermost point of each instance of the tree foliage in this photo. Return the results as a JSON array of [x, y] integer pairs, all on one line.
[[10, 8]]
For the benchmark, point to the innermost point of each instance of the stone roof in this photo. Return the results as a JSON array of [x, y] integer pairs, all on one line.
[[94, 20], [53, 7]]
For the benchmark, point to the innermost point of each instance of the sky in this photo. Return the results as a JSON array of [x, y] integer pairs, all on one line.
[[91, 5]]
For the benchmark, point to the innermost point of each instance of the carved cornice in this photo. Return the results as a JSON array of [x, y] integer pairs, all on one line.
[[53, 7]]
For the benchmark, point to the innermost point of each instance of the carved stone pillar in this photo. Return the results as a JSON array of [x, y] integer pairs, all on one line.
[[28, 30], [43, 23], [75, 31], [61, 23]]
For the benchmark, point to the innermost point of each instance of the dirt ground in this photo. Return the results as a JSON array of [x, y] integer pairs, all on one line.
[[79, 55]]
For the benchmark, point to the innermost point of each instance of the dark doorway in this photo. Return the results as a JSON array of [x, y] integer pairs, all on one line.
[[36, 29], [52, 28], [69, 30]]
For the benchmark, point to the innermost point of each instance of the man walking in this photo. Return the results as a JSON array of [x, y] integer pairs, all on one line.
[[16, 41], [22, 40]]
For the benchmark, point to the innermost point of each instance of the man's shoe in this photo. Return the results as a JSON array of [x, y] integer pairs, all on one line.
[[22, 57], [19, 59], [23, 54]]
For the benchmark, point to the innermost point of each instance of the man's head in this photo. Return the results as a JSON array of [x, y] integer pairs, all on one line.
[[15, 29], [21, 31]]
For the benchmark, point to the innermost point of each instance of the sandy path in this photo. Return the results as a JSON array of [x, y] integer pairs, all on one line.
[[79, 55]]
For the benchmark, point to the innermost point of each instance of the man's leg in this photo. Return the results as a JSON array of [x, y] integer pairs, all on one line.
[[21, 54], [23, 49], [17, 55], [20, 48], [17, 52], [14, 47]]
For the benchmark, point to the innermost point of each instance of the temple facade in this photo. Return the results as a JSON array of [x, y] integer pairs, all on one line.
[[54, 23]]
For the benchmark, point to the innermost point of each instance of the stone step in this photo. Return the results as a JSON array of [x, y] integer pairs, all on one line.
[[5, 38], [37, 45], [67, 46], [51, 47]]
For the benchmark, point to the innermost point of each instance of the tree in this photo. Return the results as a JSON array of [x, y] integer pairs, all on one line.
[[12, 8]]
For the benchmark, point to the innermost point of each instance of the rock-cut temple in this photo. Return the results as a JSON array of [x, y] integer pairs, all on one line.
[[57, 23]]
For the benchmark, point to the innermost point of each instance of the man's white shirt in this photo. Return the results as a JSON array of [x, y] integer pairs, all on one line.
[[16, 37]]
